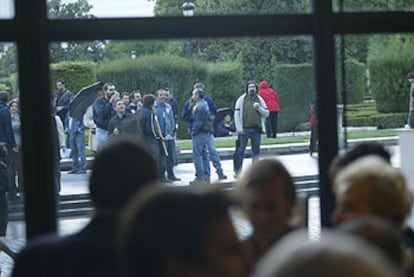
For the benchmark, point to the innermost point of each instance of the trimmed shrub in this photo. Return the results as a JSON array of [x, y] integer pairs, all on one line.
[[381, 121], [355, 82], [9, 84], [295, 87], [151, 72], [224, 83], [389, 61], [76, 74]]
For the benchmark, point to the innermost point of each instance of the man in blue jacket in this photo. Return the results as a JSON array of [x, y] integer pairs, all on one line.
[[187, 116]]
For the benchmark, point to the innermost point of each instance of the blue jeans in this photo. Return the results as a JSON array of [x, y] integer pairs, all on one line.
[[255, 136], [172, 156], [200, 155], [77, 146], [101, 137], [214, 157]]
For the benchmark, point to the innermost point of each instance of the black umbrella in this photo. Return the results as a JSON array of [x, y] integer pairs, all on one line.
[[221, 113], [85, 97]]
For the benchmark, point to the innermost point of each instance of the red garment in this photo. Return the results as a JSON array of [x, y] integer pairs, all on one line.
[[269, 96], [312, 120]]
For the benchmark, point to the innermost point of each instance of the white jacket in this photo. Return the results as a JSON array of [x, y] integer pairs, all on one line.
[[238, 113]]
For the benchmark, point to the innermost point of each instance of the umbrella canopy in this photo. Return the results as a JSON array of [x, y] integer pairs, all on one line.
[[85, 97], [221, 113]]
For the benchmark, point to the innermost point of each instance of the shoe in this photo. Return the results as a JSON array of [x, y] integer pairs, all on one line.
[[166, 180], [197, 182], [221, 176], [80, 172], [173, 179], [72, 171]]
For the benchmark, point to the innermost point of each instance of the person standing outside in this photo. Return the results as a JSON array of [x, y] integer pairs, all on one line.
[[103, 111], [249, 115], [272, 102], [410, 78], [165, 115], [124, 123], [188, 117], [77, 145], [135, 103], [63, 99], [7, 138], [200, 138], [15, 165]]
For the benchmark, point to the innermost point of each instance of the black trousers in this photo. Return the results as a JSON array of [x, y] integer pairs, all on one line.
[[271, 125]]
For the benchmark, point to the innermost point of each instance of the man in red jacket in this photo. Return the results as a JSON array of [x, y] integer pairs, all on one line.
[[272, 102]]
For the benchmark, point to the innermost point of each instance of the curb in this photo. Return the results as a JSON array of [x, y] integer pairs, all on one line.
[[185, 156]]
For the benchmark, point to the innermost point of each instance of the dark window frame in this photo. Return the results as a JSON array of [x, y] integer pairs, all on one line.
[[33, 31]]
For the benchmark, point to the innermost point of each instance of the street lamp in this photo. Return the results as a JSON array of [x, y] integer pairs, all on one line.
[[133, 54], [188, 10], [65, 45]]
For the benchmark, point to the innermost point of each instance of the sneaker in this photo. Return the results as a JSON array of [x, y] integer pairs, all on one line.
[[221, 176], [197, 182]]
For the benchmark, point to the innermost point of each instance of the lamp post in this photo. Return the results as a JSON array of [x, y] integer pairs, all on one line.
[[188, 10], [65, 45], [133, 54]]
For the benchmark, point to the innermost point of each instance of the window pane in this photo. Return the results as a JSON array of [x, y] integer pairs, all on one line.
[[145, 8], [6, 9]]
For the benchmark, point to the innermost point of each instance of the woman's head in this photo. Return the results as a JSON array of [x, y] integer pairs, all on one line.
[[267, 196], [14, 106]]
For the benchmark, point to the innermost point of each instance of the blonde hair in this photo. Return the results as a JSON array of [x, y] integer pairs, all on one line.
[[389, 196]]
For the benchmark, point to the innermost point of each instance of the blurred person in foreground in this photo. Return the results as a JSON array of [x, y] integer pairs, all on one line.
[[179, 232], [91, 252], [333, 254], [267, 196]]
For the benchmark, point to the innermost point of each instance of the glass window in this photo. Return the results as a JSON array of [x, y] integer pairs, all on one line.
[[6, 9]]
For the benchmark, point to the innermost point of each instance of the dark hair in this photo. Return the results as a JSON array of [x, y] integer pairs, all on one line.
[[148, 100], [121, 167], [168, 223], [358, 151], [61, 81], [4, 96], [249, 83], [106, 85], [410, 75]]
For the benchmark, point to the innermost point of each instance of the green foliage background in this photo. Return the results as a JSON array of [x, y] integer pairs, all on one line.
[[76, 74]]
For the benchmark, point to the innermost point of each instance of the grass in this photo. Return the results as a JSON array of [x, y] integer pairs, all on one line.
[[229, 142]]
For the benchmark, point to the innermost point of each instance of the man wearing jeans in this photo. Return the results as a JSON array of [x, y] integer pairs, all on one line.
[[249, 115], [200, 135]]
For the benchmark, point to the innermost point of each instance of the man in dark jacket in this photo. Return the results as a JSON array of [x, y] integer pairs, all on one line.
[[63, 99], [103, 111], [7, 138], [124, 123]]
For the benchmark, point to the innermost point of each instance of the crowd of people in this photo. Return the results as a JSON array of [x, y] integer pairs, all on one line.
[[145, 228], [142, 227]]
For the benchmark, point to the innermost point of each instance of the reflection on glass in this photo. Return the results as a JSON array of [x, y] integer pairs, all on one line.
[[67, 9], [6, 9]]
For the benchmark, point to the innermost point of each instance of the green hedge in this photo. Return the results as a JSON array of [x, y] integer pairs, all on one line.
[[76, 74], [355, 82], [9, 84], [381, 121], [295, 87], [151, 72], [389, 61], [224, 83]]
